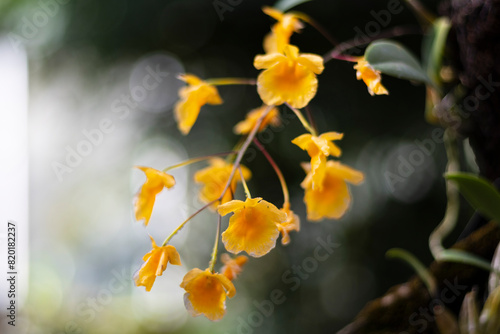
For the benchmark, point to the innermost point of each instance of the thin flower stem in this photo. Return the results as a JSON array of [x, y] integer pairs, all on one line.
[[310, 117], [420, 269], [243, 149], [304, 122], [450, 218], [187, 220], [236, 165], [231, 81], [247, 191], [213, 260], [286, 196], [336, 53], [191, 161]]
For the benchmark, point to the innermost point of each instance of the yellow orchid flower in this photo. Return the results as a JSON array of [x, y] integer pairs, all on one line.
[[280, 34], [206, 293], [288, 77], [333, 199], [155, 262], [145, 199], [245, 127], [371, 77], [319, 148], [193, 97], [253, 227], [292, 223], [214, 178], [232, 267]]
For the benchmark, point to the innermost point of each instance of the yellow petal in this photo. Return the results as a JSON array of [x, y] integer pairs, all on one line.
[[332, 199], [143, 206], [302, 141], [247, 125], [292, 223], [193, 97], [322, 145], [155, 262], [274, 13], [268, 60], [230, 206], [330, 202], [156, 178], [347, 173], [227, 284], [313, 62], [214, 179], [282, 83], [145, 198], [285, 79], [173, 255], [318, 170], [206, 293], [253, 228], [332, 135], [292, 52], [190, 275], [370, 77], [186, 113], [232, 267]]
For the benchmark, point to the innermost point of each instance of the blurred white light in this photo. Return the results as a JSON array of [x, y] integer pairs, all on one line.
[[14, 167], [409, 172], [153, 82]]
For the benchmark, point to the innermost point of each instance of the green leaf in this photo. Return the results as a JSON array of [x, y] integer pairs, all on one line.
[[479, 193], [433, 48], [394, 59], [284, 5], [460, 256], [414, 262]]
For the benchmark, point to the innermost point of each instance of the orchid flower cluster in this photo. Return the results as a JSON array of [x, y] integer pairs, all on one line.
[[289, 78]]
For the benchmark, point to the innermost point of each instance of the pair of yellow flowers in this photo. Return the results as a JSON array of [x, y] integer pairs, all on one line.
[[206, 291], [288, 76]]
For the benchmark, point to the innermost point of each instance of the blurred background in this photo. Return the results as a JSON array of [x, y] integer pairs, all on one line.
[[79, 115]]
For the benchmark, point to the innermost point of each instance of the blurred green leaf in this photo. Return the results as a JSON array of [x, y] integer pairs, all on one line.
[[433, 48], [414, 262], [284, 5], [479, 192], [460, 256], [394, 59]]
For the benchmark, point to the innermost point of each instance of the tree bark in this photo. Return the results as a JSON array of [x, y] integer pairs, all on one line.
[[407, 308], [474, 52]]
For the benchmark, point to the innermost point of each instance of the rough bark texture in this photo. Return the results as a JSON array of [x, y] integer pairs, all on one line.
[[474, 52], [407, 308]]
